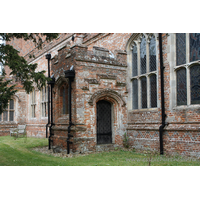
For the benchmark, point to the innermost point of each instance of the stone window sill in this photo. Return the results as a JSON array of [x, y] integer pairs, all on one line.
[[185, 107], [144, 110]]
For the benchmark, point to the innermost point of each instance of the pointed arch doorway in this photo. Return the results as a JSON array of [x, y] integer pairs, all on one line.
[[104, 122]]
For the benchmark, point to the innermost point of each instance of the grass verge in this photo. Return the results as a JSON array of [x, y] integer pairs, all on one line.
[[19, 152]]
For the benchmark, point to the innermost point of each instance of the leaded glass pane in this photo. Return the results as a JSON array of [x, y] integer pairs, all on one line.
[[181, 87], [42, 109], [153, 91], [5, 115], [11, 116], [135, 94], [134, 61], [152, 54], [45, 109], [33, 111], [0, 117], [11, 104], [143, 56], [180, 48], [194, 46], [195, 84], [144, 92]]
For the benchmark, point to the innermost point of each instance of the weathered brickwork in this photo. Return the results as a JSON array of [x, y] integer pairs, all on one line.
[[97, 78], [102, 67]]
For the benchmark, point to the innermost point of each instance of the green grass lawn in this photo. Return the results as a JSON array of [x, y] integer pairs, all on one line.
[[19, 152]]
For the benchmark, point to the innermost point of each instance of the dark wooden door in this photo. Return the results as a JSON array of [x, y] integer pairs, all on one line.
[[104, 127]]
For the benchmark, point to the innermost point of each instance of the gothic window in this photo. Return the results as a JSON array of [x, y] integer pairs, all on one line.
[[33, 104], [44, 101], [187, 69], [144, 72], [8, 114], [64, 99]]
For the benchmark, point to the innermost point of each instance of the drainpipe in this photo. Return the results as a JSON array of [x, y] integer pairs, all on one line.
[[70, 74], [52, 82], [162, 94], [48, 57]]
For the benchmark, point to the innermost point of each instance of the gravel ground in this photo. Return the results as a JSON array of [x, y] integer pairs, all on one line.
[[45, 150]]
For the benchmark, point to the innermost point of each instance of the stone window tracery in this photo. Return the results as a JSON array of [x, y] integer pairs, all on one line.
[[188, 68], [144, 72]]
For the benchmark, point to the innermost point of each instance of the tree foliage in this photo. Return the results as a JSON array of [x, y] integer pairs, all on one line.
[[22, 71]]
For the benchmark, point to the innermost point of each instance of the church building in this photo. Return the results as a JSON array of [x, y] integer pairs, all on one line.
[[106, 87]]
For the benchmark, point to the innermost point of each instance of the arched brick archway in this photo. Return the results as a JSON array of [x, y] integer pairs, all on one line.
[[118, 109], [107, 93]]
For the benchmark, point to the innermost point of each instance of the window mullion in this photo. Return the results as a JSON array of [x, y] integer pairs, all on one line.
[[139, 94], [187, 69], [147, 71], [148, 92], [187, 47], [139, 72], [188, 86], [8, 111], [147, 57], [138, 56]]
